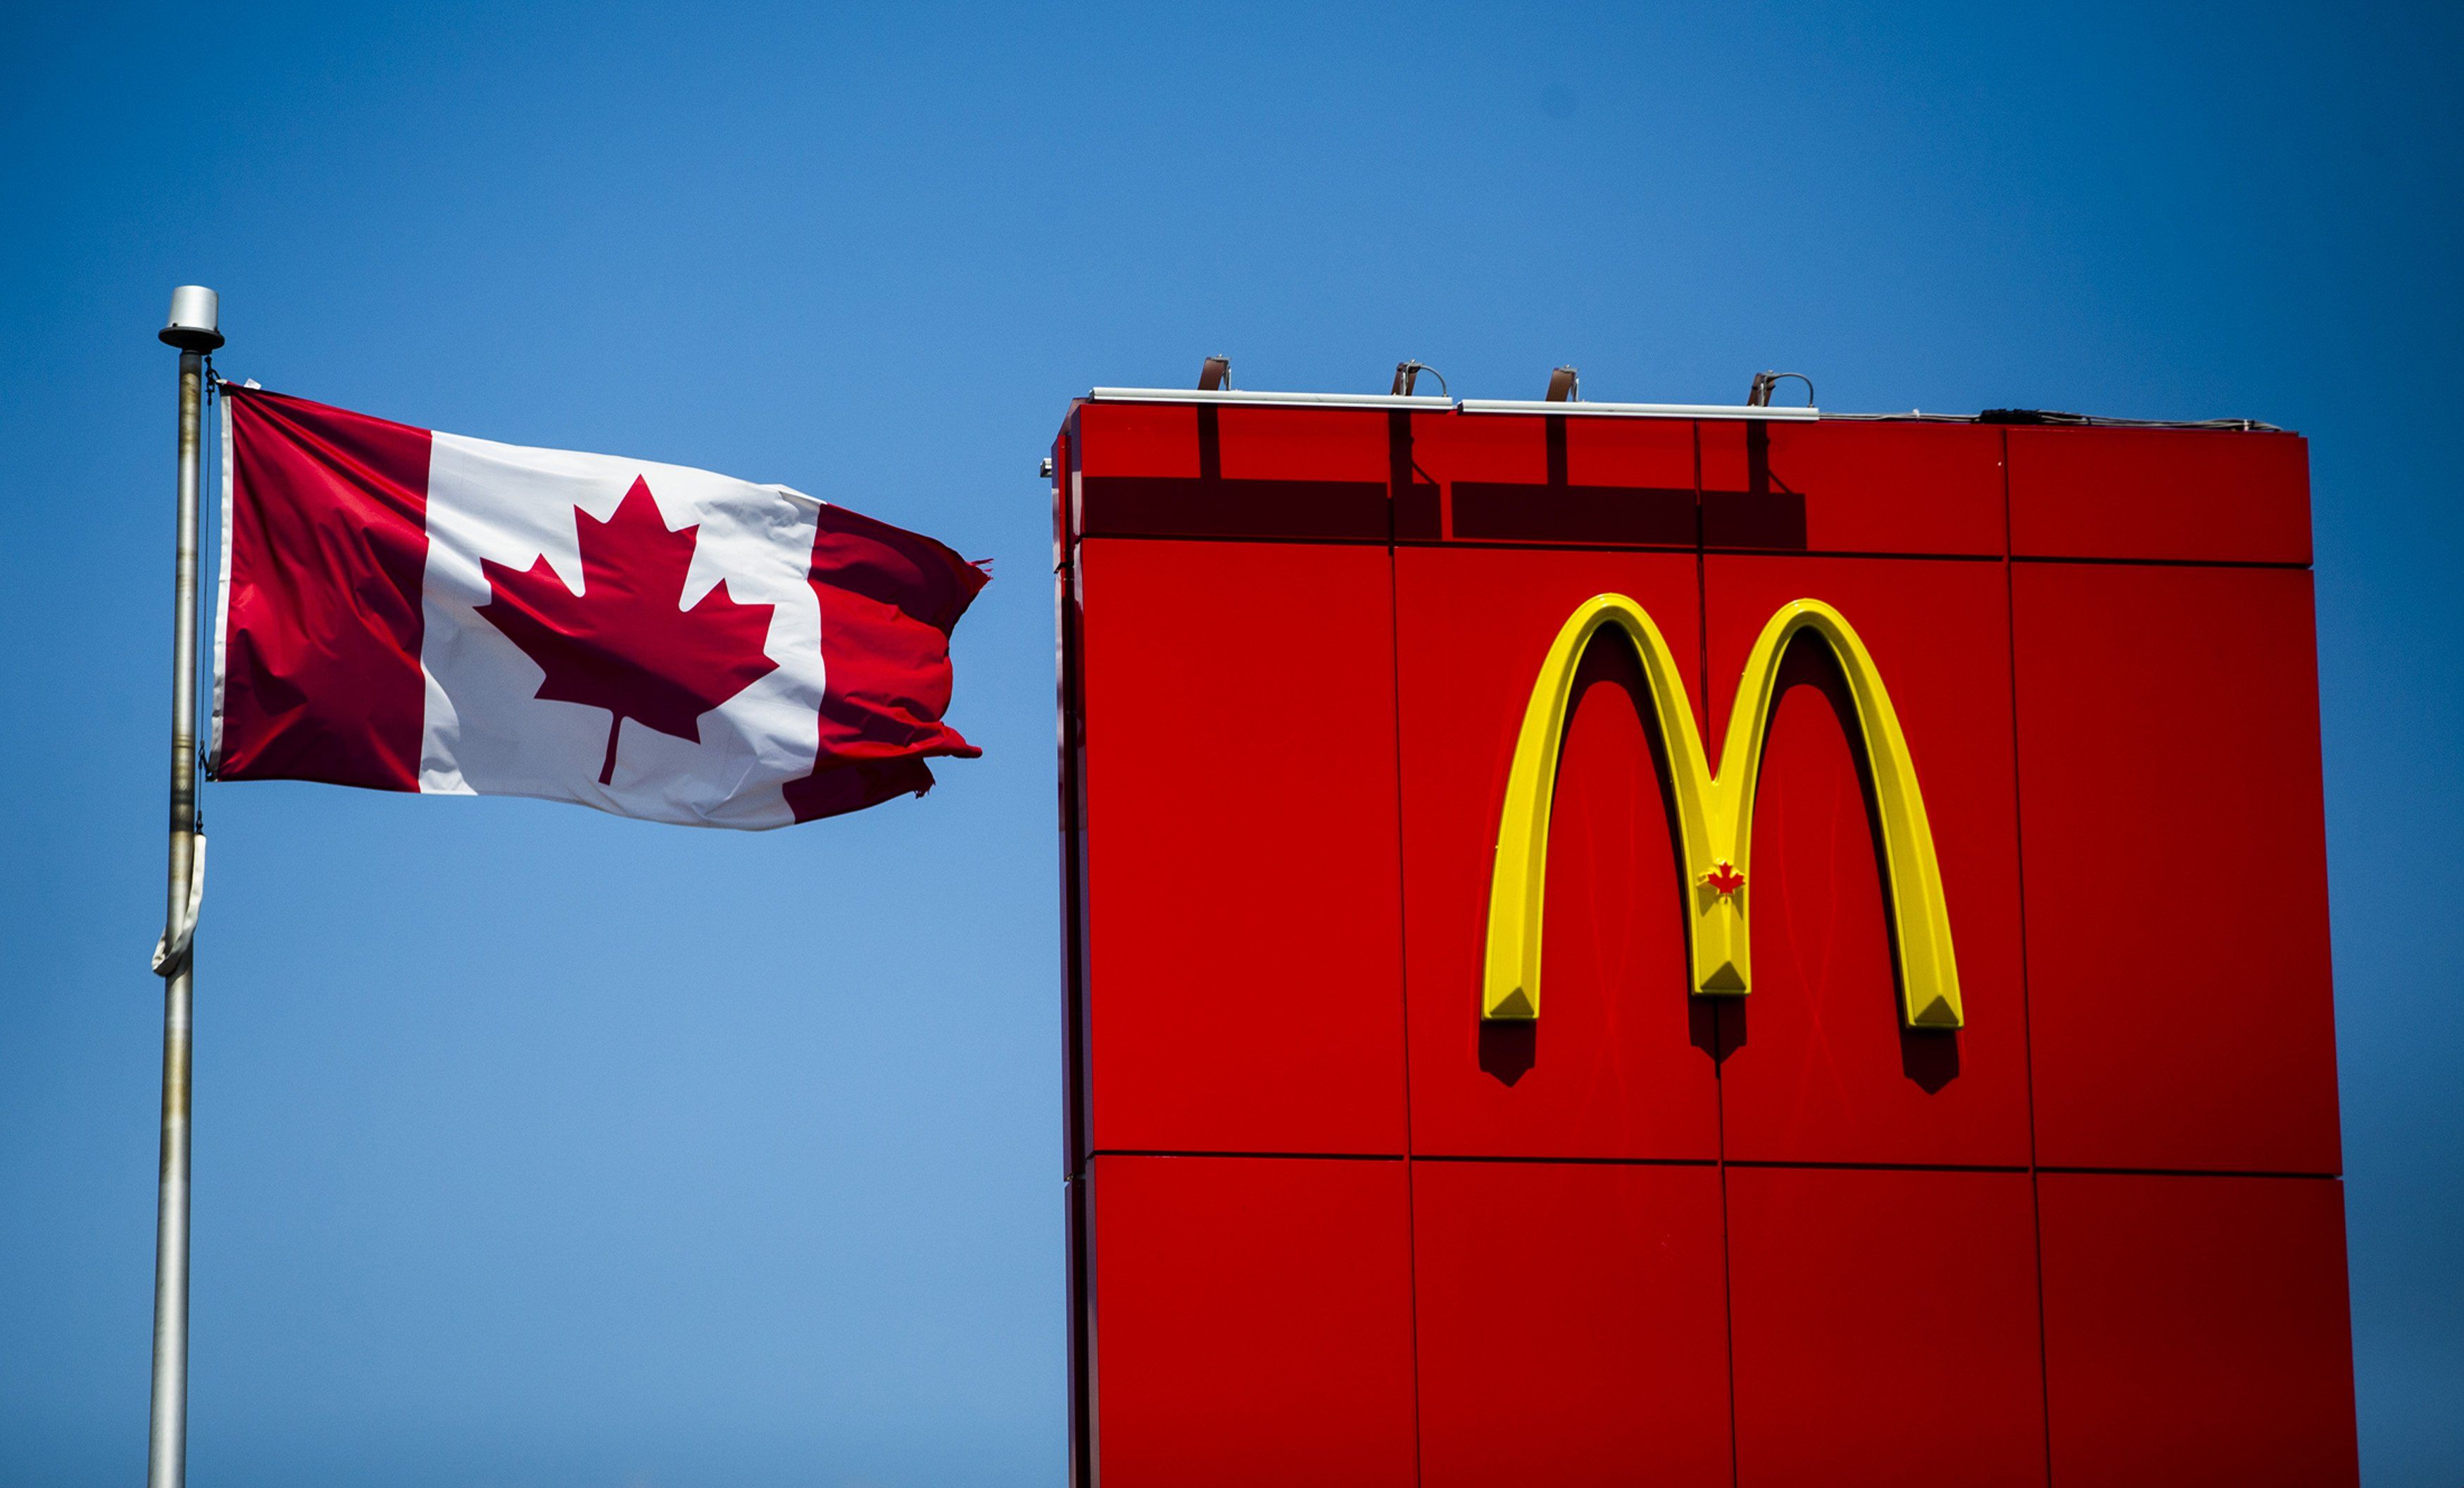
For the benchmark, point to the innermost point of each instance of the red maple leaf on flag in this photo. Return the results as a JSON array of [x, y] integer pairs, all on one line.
[[624, 643], [1725, 878]]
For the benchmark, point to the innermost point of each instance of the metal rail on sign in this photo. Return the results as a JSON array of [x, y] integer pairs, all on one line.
[[1380, 400], [1297, 400], [1636, 409]]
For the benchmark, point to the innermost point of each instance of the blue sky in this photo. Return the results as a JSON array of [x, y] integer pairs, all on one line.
[[541, 1147]]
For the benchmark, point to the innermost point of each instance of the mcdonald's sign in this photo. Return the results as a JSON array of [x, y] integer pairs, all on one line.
[[1714, 812], [1915, 829]]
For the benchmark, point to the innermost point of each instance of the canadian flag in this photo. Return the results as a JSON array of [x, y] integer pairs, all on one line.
[[407, 610]]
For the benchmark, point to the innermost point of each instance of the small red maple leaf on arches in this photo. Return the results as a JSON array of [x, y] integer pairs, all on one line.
[[1724, 877], [624, 643]]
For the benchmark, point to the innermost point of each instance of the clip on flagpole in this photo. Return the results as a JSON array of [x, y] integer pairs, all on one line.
[[171, 950], [194, 331]]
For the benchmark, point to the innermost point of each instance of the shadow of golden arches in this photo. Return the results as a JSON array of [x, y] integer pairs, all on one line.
[[1714, 814]]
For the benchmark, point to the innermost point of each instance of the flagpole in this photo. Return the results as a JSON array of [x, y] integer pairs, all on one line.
[[192, 329]]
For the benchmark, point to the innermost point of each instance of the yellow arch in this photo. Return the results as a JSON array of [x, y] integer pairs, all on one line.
[[1714, 814]]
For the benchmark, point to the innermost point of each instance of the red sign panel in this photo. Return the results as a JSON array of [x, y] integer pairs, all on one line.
[[1348, 1208]]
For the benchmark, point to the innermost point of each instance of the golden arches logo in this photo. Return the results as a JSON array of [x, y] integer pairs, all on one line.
[[1714, 814]]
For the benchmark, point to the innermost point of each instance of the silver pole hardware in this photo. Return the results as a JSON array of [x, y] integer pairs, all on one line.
[[1759, 396], [193, 330]]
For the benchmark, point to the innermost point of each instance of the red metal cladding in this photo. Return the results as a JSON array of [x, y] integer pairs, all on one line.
[[1253, 1321], [2176, 869], [1572, 1323], [2188, 494], [1560, 478], [1851, 486], [1618, 1064], [1212, 470], [1820, 1065], [1298, 645], [1070, 798], [1150, 440], [2196, 1331], [1885, 1327], [1244, 896]]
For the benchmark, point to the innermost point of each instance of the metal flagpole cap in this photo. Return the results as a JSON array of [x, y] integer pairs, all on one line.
[[194, 310]]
